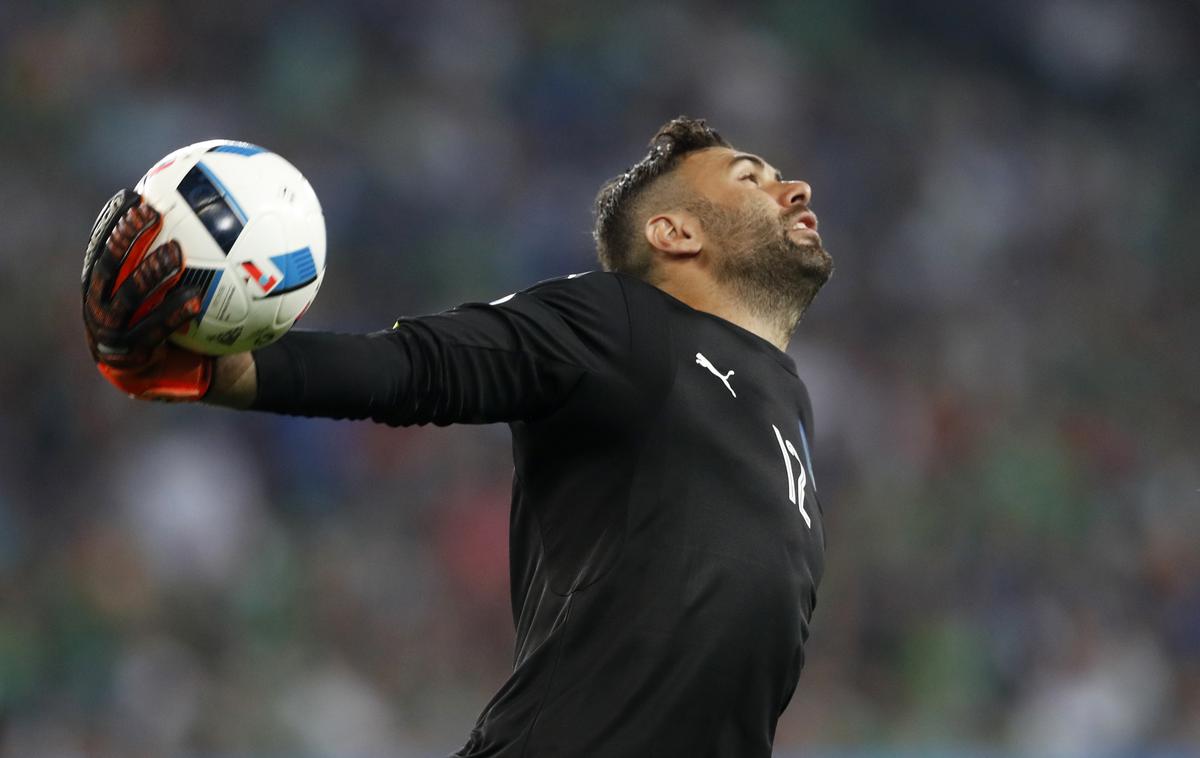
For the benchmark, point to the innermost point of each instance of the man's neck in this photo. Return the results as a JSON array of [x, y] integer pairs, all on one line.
[[708, 297]]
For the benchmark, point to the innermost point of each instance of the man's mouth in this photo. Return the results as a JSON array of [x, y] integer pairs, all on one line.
[[803, 221]]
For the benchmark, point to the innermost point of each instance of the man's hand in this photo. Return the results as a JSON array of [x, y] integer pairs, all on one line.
[[129, 308]]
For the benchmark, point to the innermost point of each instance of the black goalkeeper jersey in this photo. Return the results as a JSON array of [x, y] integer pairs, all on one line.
[[666, 536]]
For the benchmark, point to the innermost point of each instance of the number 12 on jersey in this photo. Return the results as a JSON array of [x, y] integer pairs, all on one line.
[[795, 483]]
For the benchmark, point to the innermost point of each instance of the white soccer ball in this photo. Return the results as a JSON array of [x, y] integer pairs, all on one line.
[[253, 241]]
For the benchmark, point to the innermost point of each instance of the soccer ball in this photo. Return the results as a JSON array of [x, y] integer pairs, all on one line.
[[253, 241]]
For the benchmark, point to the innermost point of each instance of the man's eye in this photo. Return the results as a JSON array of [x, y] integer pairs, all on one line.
[[751, 177]]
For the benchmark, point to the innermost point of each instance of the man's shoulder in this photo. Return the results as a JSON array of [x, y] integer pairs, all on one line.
[[598, 282], [603, 308], [604, 290], [599, 292]]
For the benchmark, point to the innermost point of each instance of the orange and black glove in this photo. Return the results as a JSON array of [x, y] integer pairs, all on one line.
[[131, 305]]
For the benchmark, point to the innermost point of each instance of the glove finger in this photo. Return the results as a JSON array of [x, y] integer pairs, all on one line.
[[186, 310], [175, 311], [109, 354], [96, 339], [128, 244], [116, 343], [113, 254], [111, 348], [124, 250], [110, 215], [100, 316], [149, 282], [135, 349], [136, 219]]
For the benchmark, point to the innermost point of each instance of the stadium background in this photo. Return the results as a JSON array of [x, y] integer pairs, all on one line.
[[1004, 367]]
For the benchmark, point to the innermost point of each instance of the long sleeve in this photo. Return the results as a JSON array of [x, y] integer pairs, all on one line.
[[516, 359]]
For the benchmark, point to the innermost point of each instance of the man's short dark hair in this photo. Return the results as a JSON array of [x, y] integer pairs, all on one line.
[[619, 243]]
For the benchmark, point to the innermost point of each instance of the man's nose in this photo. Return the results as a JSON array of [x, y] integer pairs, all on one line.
[[795, 193]]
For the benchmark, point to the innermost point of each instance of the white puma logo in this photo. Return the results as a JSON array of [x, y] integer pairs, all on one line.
[[706, 363]]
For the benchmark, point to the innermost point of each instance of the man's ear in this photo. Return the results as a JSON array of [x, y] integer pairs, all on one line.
[[675, 233]]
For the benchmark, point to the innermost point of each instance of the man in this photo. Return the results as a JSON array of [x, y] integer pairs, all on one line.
[[666, 539]]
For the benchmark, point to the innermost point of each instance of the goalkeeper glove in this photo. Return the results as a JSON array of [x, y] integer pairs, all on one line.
[[131, 305]]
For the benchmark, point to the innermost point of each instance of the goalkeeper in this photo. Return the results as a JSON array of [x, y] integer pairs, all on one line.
[[666, 535]]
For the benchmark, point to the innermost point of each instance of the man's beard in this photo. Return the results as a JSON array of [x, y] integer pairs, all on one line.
[[773, 275]]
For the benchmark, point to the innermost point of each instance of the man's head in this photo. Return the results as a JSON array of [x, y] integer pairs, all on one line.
[[696, 207]]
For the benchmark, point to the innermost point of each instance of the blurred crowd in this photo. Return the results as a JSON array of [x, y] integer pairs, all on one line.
[[1004, 366]]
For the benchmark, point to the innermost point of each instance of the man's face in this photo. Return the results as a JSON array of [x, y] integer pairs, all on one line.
[[758, 229], [755, 208]]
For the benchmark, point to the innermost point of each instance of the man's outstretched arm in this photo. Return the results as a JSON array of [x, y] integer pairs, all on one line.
[[518, 358], [478, 363]]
